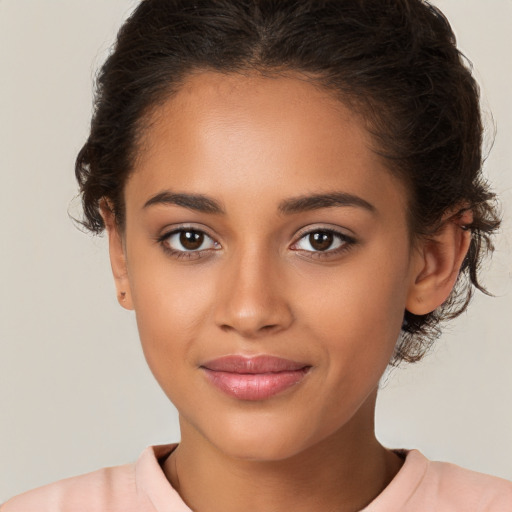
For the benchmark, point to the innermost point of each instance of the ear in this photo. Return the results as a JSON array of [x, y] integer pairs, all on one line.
[[117, 255], [438, 262]]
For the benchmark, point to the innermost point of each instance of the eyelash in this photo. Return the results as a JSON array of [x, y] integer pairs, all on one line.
[[183, 255], [347, 242]]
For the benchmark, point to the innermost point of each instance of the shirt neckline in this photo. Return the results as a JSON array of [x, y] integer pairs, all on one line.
[[153, 484], [404, 485]]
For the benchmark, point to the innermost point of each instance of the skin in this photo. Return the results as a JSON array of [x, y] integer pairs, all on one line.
[[260, 287]]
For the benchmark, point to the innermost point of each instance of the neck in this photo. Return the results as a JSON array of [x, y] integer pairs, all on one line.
[[343, 472]]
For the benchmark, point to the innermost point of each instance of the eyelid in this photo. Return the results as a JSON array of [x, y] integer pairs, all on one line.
[[347, 241], [171, 230], [326, 228], [180, 231], [185, 254]]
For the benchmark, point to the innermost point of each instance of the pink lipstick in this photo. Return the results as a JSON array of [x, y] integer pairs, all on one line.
[[254, 378]]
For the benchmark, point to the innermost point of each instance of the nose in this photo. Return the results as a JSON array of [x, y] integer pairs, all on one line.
[[251, 296]]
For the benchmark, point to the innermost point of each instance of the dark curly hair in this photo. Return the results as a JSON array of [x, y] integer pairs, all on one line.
[[393, 61]]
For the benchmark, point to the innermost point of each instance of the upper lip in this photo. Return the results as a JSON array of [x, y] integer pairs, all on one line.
[[253, 365]]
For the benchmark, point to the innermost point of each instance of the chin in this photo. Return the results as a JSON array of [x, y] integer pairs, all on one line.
[[262, 439], [261, 449]]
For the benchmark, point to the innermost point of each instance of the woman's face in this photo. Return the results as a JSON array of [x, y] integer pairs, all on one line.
[[260, 225]]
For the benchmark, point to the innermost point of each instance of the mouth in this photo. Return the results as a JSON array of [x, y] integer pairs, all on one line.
[[254, 378]]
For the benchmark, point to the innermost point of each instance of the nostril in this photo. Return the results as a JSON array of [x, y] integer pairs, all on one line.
[[251, 331]]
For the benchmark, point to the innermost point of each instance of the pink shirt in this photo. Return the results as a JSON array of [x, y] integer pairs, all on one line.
[[419, 486]]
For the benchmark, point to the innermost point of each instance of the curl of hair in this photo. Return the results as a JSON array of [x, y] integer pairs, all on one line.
[[394, 61]]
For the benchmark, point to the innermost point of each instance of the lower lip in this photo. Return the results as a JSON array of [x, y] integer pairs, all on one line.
[[254, 386]]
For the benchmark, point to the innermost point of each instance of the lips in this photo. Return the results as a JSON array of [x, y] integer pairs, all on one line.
[[254, 378]]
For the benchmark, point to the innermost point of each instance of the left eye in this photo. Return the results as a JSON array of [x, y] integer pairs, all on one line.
[[321, 241], [189, 240]]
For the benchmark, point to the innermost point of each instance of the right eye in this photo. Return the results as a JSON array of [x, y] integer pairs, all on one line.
[[187, 242]]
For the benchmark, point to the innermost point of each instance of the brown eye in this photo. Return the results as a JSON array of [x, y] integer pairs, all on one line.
[[325, 241], [188, 240], [321, 240], [191, 240]]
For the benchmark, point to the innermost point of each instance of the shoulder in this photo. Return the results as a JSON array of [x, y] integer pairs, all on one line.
[[449, 487], [473, 490], [423, 485], [110, 489], [129, 488]]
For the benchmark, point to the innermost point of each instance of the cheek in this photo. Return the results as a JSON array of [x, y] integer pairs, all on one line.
[[359, 315], [171, 308], [363, 299]]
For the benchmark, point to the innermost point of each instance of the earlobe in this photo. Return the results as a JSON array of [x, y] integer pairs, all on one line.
[[117, 255], [438, 260]]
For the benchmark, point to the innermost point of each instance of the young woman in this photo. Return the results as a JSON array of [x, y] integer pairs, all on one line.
[[293, 197]]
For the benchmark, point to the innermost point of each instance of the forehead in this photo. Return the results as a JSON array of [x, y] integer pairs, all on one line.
[[253, 136]]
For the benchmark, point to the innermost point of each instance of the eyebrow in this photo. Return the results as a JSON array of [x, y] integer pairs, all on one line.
[[317, 201], [308, 202], [196, 202]]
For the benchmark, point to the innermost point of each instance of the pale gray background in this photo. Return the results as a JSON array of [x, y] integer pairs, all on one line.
[[75, 393]]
